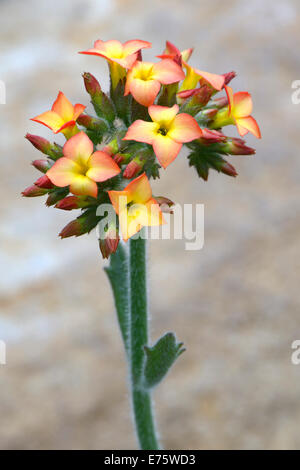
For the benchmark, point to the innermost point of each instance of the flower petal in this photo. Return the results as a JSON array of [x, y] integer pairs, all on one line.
[[184, 128], [78, 148], [62, 172], [142, 131], [216, 81], [229, 93], [250, 124], [78, 109], [167, 71], [83, 186], [154, 214], [63, 107], [50, 119], [119, 200], [139, 190], [166, 149], [144, 91], [135, 45], [242, 104], [163, 114], [102, 167]]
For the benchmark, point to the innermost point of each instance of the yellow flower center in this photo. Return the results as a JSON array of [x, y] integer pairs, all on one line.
[[144, 73]]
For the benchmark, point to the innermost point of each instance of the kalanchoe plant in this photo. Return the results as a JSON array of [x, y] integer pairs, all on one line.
[[150, 112]]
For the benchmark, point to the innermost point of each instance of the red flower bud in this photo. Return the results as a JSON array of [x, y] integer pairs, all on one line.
[[228, 169], [71, 202], [34, 191], [39, 143], [44, 182], [41, 165], [132, 169], [210, 113], [221, 102], [73, 229], [110, 243], [210, 136], [91, 84], [228, 77], [237, 146]]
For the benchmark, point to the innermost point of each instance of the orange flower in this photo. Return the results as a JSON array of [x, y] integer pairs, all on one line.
[[145, 78], [193, 76], [172, 52], [119, 56], [136, 207], [81, 168], [166, 133], [238, 112], [62, 117], [114, 51]]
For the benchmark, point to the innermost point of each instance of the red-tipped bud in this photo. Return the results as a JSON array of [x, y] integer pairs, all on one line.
[[210, 113], [228, 169], [199, 96], [92, 123], [119, 158], [165, 204], [220, 102], [72, 202], [44, 182], [91, 84], [34, 191], [112, 147], [39, 143], [110, 243], [211, 136], [73, 229], [132, 169], [235, 146], [41, 165], [228, 77]]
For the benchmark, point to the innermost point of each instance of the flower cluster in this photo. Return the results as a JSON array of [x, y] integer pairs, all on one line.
[[151, 111]]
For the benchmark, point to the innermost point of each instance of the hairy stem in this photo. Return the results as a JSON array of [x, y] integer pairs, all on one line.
[[142, 403]]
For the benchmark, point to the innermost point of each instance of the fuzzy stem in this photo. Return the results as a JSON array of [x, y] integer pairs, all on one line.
[[142, 403]]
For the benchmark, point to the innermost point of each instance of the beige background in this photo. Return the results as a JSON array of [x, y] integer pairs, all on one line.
[[235, 304]]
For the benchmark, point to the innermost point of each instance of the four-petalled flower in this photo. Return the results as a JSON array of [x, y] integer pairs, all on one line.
[[62, 117], [136, 207], [168, 131], [81, 168]]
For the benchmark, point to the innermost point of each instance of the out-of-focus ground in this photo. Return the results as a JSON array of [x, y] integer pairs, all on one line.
[[235, 303]]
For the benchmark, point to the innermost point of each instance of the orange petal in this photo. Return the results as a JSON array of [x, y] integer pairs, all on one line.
[[154, 214], [78, 148], [63, 107], [184, 128], [229, 93], [186, 54], [111, 48], [142, 131], [102, 167], [144, 91], [167, 71], [135, 45], [50, 119], [139, 190], [250, 124], [83, 186], [171, 49], [62, 172], [166, 149], [78, 109], [216, 81], [242, 104], [163, 114], [119, 200]]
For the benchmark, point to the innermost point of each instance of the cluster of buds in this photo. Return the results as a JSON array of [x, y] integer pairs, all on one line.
[[150, 112]]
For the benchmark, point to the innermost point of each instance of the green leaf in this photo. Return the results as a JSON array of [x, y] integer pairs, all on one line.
[[159, 359]]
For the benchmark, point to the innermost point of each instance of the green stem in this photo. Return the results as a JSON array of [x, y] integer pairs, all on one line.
[[142, 403]]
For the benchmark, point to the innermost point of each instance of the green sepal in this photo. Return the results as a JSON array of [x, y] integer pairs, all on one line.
[[159, 359]]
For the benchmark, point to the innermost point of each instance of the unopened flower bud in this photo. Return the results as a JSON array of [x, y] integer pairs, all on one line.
[[228, 77], [110, 242], [228, 169], [71, 202], [34, 191], [39, 143], [44, 182], [41, 165], [220, 102], [91, 84], [101, 102], [83, 224], [235, 146], [133, 168], [209, 113], [210, 136], [92, 123], [198, 96]]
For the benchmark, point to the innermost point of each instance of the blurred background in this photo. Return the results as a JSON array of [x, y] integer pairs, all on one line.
[[235, 303]]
